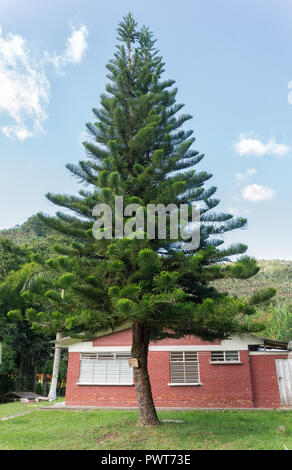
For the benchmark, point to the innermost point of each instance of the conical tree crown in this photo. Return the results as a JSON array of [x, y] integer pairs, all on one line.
[[139, 151]]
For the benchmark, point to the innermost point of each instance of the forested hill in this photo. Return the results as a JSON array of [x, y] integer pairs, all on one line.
[[273, 273], [30, 230]]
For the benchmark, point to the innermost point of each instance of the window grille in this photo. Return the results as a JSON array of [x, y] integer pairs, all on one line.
[[184, 368], [224, 356], [104, 368]]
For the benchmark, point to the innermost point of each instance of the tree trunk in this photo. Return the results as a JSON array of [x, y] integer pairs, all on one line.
[[56, 367], [19, 380], [44, 384], [35, 379], [148, 416]]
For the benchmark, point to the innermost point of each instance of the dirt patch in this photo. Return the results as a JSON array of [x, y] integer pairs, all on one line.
[[109, 436]]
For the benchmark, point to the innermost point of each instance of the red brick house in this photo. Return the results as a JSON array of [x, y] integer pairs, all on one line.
[[240, 372]]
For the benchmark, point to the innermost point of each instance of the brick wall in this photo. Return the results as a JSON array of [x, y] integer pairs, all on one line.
[[120, 338], [124, 338], [91, 395], [264, 380], [223, 385], [251, 383]]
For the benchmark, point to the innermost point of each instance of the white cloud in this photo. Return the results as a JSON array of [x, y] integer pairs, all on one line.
[[246, 174], [249, 146], [21, 133], [24, 86], [256, 193], [75, 49], [76, 45]]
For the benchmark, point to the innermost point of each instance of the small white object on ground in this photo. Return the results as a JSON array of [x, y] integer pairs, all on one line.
[[171, 421], [24, 400]]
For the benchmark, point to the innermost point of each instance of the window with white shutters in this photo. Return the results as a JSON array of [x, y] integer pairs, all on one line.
[[184, 368], [105, 368], [225, 356]]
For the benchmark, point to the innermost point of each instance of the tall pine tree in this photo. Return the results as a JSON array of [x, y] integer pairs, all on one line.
[[139, 151]]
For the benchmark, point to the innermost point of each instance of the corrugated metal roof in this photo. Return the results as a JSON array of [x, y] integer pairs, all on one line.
[[275, 344]]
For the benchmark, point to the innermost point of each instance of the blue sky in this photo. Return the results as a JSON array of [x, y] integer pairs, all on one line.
[[232, 64]]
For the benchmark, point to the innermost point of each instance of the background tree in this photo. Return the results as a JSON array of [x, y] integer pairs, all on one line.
[[139, 150], [24, 350], [12, 257], [277, 318]]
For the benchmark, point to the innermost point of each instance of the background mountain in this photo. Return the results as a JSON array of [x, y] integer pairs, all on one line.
[[277, 316], [273, 273], [32, 229]]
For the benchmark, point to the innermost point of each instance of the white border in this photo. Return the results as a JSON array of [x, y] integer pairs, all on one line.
[[103, 384], [87, 346], [234, 344]]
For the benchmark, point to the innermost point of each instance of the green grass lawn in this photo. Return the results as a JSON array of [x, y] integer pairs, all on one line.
[[15, 408], [116, 429]]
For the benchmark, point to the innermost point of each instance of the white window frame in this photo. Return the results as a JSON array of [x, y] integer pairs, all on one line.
[[109, 356], [225, 361], [184, 362]]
